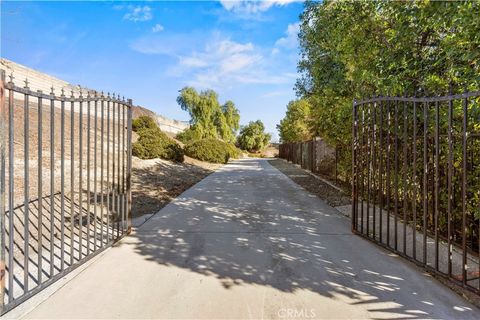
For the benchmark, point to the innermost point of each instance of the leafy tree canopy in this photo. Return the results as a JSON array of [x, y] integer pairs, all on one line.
[[252, 137], [208, 119], [296, 124]]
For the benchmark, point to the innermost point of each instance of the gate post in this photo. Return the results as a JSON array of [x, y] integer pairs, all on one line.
[[354, 179], [2, 189], [129, 166]]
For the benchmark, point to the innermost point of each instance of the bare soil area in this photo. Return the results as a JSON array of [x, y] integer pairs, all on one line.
[[156, 182], [313, 185]]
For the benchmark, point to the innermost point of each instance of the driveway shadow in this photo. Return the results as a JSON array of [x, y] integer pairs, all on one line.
[[249, 224]]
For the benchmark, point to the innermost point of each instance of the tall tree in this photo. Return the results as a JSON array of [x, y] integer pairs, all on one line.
[[208, 119], [296, 124], [228, 122], [252, 137]]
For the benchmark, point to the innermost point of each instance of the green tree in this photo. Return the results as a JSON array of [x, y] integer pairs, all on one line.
[[252, 137], [208, 119], [229, 122], [203, 108], [296, 124]]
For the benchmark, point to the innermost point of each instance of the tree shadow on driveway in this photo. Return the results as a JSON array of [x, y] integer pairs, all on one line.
[[249, 224]]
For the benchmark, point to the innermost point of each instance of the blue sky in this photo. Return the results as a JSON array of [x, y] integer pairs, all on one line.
[[246, 51]]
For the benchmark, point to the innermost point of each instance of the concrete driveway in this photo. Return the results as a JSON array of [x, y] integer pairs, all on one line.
[[246, 242]]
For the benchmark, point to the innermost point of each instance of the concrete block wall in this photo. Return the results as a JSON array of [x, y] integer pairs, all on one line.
[[40, 81], [171, 126], [36, 79]]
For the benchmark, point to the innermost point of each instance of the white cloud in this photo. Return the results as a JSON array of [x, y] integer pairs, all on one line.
[[290, 40], [221, 60], [157, 28], [212, 60], [252, 7], [138, 13], [225, 63]]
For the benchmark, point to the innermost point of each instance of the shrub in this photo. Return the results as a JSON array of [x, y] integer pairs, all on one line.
[[252, 137], [153, 143], [234, 151], [188, 135], [144, 122], [211, 150]]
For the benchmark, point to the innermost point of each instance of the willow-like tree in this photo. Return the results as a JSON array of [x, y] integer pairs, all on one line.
[[228, 122], [208, 119]]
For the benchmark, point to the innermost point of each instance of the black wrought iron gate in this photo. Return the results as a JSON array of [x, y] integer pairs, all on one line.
[[64, 183], [416, 180]]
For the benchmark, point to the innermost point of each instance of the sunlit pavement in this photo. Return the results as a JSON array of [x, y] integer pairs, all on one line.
[[246, 242]]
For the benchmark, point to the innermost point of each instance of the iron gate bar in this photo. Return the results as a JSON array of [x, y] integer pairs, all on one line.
[[389, 147], [10, 190], [26, 193], [380, 174], [425, 180], [374, 163], [464, 192], [437, 180], [369, 150], [52, 180], [39, 190], [80, 177], [62, 177], [118, 170], [2, 187], [95, 129], [72, 178], [102, 105], [354, 159], [88, 172], [414, 190], [124, 150], [396, 175], [114, 218], [362, 165], [405, 181], [108, 168]]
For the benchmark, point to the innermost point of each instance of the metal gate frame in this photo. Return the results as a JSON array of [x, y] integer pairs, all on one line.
[[106, 211], [415, 183]]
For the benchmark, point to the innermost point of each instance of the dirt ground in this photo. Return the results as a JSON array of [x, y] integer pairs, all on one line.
[[315, 186], [156, 182]]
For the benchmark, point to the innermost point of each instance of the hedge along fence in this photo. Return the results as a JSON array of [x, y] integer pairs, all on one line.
[[314, 155]]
